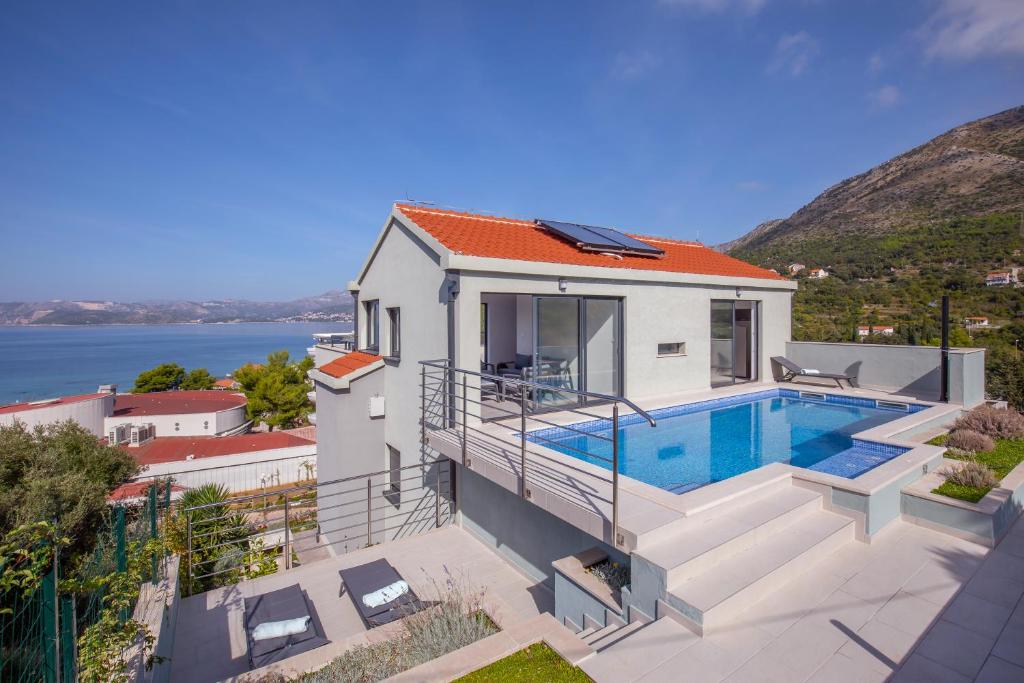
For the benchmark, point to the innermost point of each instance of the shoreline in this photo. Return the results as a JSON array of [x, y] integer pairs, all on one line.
[[231, 322]]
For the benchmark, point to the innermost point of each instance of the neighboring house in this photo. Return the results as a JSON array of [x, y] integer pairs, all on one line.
[[795, 268], [178, 413], [88, 410], [329, 345], [241, 463], [817, 274], [1002, 278], [976, 321], [528, 296], [226, 384], [867, 331]]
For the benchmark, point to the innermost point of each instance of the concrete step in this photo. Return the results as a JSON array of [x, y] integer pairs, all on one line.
[[586, 632], [701, 541], [616, 635], [716, 595], [597, 635], [629, 658]]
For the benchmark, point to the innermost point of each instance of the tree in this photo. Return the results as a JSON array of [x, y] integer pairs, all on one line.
[[163, 377], [60, 472], [200, 378], [276, 392]]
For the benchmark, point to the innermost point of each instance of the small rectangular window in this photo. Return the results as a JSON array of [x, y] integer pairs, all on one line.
[[393, 489], [372, 325], [394, 333], [672, 349]]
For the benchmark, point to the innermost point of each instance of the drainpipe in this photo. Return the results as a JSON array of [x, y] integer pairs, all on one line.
[[944, 366], [452, 289]]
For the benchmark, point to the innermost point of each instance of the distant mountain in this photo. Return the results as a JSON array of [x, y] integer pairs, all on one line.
[[973, 170], [330, 306]]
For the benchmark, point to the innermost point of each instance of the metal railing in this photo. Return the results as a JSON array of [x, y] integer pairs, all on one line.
[[450, 402], [270, 531]]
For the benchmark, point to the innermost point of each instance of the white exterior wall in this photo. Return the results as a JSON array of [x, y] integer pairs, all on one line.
[[405, 273], [241, 472], [89, 413], [189, 424], [653, 313]]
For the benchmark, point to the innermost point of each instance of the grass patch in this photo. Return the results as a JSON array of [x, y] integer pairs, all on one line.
[[536, 663], [1007, 454]]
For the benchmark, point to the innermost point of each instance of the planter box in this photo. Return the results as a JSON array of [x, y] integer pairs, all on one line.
[[579, 594], [984, 522]]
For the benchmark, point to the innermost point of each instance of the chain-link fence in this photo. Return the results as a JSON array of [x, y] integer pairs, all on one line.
[[40, 625]]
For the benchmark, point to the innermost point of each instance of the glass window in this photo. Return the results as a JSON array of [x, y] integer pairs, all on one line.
[[672, 349], [394, 333], [372, 325], [394, 485]]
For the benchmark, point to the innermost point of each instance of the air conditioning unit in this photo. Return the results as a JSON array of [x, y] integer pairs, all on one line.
[[142, 434], [119, 434]]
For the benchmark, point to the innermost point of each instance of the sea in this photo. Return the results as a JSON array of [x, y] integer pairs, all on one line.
[[39, 362]]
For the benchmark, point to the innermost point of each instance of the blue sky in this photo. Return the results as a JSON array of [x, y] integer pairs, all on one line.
[[252, 149]]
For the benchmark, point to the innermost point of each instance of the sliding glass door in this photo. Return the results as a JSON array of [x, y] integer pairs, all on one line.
[[577, 346], [734, 342], [556, 356]]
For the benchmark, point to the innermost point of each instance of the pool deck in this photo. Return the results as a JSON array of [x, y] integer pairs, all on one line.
[[580, 492], [917, 603]]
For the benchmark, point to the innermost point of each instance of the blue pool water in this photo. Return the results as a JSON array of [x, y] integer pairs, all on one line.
[[698, 444]]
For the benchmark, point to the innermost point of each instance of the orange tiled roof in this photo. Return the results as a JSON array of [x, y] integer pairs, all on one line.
[[508, 238], [350, 362]]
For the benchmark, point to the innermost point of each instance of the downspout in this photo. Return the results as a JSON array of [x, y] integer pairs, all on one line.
[[452, 293], [944, 365]]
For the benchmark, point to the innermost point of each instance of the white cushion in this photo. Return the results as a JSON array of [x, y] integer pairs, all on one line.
[[386, 594], [811, 371], [278, 629]]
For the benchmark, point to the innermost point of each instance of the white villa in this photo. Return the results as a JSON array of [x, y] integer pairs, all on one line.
[[553, 396]]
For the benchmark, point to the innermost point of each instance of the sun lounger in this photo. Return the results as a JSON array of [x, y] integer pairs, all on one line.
[[280, 611], [367, 583], [793, 370]]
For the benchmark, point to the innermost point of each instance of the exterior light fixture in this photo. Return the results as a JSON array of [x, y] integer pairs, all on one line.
[[739, 292], [563, 284]]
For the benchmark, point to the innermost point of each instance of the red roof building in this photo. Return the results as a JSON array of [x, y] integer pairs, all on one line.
[[509, 238], [175, 403], [172, 449]]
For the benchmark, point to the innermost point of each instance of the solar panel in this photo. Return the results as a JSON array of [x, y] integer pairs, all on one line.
[[593, 238]]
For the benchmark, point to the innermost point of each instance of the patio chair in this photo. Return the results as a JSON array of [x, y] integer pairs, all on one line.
[[370, 580], [793, 370], [274, 623]]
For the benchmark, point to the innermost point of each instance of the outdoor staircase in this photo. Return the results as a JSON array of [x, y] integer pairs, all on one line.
[[718, 562], [615, 629]]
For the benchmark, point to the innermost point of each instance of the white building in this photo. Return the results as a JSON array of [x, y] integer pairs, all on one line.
[[520, 297], [246, 462], [180, 413], [88, 410], [884, 330], [974, 322], [817, 274], [795, 268], [1002, 278]]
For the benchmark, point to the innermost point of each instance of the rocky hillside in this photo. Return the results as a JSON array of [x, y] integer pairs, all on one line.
[[973, 170], [329, 306]]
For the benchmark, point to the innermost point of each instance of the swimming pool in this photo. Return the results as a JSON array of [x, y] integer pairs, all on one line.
[[701, 443]]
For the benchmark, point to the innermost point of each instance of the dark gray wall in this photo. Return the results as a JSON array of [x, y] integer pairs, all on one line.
[[522, 532]]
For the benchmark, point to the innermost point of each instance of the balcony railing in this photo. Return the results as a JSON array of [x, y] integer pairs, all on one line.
[[453, 400], [231, 539]]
